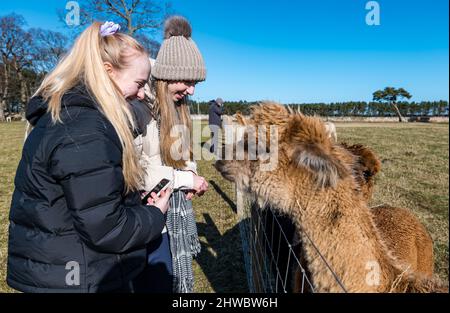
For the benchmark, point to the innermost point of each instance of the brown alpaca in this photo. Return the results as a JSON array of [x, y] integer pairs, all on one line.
[[314, 184], [405, 236], [402, 231]]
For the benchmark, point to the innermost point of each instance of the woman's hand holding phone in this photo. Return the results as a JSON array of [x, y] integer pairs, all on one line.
[[159, 196], [161, 201]]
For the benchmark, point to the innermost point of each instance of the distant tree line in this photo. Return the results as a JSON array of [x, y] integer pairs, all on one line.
[[354, 108]]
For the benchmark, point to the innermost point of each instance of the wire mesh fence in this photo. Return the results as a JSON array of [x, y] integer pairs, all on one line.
[[273, 252]]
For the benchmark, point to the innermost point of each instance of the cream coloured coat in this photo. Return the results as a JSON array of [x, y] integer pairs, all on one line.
[[148, 148], [149, 153], [150, 157]]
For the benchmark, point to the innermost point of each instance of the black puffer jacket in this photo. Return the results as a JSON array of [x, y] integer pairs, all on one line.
[[71, 228]]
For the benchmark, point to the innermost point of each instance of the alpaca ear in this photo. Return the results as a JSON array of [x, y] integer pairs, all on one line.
[[369, 162], [326, 168]]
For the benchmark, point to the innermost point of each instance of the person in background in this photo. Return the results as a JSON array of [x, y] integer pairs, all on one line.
[[215, 122]]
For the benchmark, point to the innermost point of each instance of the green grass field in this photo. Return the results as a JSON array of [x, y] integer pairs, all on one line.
[[415, 160]]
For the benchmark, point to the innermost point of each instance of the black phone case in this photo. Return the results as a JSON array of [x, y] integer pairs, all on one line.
[[156, 189]]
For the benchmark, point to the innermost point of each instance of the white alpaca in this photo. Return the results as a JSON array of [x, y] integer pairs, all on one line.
[[331, 130]]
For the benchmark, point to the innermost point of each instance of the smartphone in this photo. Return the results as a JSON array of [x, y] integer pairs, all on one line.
[[161, 186]]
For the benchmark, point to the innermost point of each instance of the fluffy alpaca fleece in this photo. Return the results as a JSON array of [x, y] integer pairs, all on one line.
[[403, 233], [365, 168], [314, 183]]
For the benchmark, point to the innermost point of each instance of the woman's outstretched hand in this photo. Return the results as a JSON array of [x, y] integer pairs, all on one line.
[[190, 195], [200, 185]]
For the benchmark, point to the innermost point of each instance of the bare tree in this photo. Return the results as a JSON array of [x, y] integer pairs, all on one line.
[[26, 55], [15, 45], [151, 45], [139, 18], [49, 47], [4, 87]]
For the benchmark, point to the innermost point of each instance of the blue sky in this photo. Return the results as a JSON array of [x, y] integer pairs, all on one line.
[[303, 50]]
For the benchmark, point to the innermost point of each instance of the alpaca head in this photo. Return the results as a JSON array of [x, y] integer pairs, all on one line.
[[304, 152]]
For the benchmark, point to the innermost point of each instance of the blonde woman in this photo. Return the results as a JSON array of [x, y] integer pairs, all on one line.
[[166, 152], [76, 220]]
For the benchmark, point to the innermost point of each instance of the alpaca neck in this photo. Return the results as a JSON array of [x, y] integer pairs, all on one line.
[[347, 239]]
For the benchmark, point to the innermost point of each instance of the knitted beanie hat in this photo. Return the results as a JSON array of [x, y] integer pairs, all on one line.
[[179, 58]]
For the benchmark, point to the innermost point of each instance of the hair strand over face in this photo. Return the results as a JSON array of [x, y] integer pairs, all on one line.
[[172, 114]]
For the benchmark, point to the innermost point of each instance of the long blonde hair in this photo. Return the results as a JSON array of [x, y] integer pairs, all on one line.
[[172, 114], [85, 64]]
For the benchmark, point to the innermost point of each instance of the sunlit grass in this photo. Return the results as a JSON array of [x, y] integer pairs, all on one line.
[[414, 174]]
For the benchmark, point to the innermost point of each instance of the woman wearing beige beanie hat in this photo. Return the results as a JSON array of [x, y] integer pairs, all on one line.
[[178, 67]]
